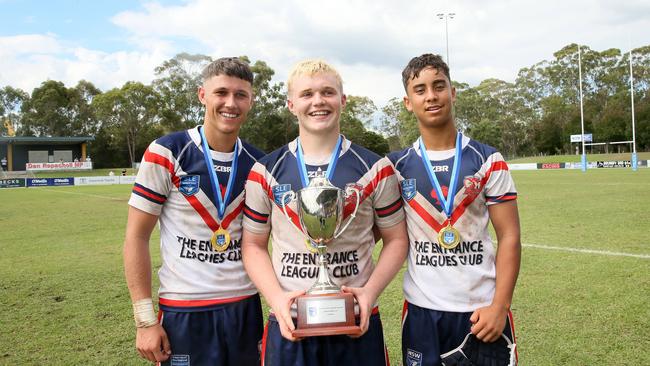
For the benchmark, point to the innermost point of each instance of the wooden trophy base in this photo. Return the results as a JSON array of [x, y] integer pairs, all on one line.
[[326, 314]]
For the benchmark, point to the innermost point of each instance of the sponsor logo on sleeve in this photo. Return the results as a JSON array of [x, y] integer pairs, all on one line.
[[408, 189], [189, 185], [278, 191]]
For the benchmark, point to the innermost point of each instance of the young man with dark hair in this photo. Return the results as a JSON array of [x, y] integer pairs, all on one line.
[[315, 97], [192, 183], [452, 186]]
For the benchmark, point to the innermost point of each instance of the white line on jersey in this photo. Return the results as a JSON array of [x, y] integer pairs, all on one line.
[[588, 251]]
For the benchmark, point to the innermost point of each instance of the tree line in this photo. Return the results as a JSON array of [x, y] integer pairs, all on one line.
[[534, 115]]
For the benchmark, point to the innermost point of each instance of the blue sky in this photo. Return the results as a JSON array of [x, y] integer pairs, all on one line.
[[83, 22], [86, 23], [369, 41]]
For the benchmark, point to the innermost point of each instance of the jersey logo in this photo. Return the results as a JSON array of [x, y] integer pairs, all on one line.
[[278, 191], [189, 185], [180, 360], [408, 189], [472, 186], [352, 198], [413, 358]]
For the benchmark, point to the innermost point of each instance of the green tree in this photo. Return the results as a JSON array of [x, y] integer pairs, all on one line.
[[47, 112], [399, 124], [357, 114], [82, 116], [129, 118], [177, 84], [642, 122], [269, 124], [11, 100]]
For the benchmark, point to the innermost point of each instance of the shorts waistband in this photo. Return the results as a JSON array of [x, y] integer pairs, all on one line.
[[198, 305]]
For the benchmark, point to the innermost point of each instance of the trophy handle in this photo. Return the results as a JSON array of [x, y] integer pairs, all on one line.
[[349, 191], [292, 196]]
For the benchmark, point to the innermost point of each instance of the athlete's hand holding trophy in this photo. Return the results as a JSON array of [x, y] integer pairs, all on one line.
[[325, 309]]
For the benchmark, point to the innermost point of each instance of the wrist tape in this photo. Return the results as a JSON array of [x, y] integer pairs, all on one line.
[[144, 314]]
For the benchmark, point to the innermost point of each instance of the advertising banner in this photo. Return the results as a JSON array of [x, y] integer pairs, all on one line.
[[49, 182], [12, 183], [523, 166], [38, 182], [578, 165], [86, 165], [127, 179], [57, 182], [550, 165], [588, 138], [84, 181], [614, 164]]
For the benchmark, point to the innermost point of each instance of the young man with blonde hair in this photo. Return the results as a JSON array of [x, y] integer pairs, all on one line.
[[316, 98], [192, 183], [452, 187]]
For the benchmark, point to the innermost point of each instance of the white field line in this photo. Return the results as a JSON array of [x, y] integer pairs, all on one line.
[[587, 251], [59, 190]]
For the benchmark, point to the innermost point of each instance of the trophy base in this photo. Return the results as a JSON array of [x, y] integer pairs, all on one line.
[[325, 314]]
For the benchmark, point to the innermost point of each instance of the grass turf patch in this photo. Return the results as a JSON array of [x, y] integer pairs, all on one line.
[[66, 302]]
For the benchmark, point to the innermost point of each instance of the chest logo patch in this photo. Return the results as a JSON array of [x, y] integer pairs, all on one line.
[[409, 189], [189, 184], [278, 191], [472, 186]]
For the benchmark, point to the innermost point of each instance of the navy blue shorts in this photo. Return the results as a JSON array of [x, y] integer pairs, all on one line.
[[338, 350], [223, 334], [426, 333]]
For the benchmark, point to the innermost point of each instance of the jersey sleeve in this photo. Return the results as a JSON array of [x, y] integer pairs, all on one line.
[[257, 208], [387, 200], [154, 181], [499, 186]]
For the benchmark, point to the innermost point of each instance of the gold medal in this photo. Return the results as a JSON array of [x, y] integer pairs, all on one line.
[[311, 246], [220, 240], [448, 237]]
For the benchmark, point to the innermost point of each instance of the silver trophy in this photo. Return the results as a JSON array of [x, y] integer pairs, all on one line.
[[325, 310], [320, 209]]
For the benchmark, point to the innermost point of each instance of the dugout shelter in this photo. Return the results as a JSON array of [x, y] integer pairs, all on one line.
[[20, 150]]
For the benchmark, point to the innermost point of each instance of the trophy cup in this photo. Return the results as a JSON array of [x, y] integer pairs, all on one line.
[[325, 309]]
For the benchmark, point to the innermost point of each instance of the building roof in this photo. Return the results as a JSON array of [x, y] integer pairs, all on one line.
[[24, 140]]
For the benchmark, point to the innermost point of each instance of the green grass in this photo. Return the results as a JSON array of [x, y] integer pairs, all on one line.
[[576, 158], [66, 303]]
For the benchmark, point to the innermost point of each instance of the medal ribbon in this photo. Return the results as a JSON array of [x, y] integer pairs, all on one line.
[[214, 179], [302, 168], [447, 202]]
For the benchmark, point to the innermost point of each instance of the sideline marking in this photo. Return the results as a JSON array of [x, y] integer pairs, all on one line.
[[588, 251]]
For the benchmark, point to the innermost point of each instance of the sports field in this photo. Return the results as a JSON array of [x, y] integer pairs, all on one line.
[[582, 298]]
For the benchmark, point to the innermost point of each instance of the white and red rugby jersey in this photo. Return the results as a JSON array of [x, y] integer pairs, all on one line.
[[461, 279], [173, 182], [350, 255]]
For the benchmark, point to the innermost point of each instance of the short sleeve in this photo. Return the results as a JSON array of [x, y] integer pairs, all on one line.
[[153, 183], [257, 208], [387, 200], [499, 186]]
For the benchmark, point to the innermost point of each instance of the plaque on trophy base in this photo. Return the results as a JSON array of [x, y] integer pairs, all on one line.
[[325, 314]]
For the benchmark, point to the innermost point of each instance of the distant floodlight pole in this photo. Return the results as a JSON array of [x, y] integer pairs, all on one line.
[[446, 17], [582, 118], [633, 129]]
